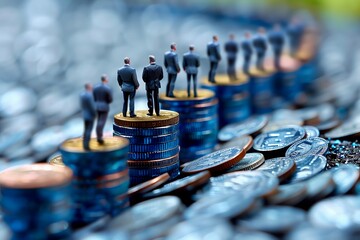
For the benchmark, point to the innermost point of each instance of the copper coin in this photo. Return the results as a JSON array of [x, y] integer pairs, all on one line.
[[148, 185], [246, 142]]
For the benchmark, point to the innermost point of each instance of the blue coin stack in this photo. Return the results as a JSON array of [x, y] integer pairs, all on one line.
[[198, 122], [262, 92], [234, 99], [152, 150], [36, 201], [308, 72], [101, 177]]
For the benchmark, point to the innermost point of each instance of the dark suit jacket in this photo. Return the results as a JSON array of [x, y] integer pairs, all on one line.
[[259, 43], [191, 62], [127, 79], [171, 62], [246, 47], [231, 48], [87, 105], [213, 51], [103, 97], [276, 39], [152, 75]]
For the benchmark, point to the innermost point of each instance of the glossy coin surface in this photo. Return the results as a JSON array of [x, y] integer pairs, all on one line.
[[31, 176], [148, 185], [247, 127], [182, 95], [56, 160], [307, 167], [245, 142], [249, 162], [311, 131], [281, 167], [253, 235], [278, 139], [345, 178], [319, 186], [348, 129], [216, 161], [289, 194], [142, 120], [182, 184], [310, 232], [110, 144], [221, 206], [249, 183], [275, 219], [343, 215], [308, 146]]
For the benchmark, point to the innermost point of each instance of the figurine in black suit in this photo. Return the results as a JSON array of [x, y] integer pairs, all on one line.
[[152, 75], [191, 62], [295, 32], [231, 48], [171, 63], [260, 46], [247, 51], [89, 113], [127, 79], [213, 51], [276, 39], [103, 98]]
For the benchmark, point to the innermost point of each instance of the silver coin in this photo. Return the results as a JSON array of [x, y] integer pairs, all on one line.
[[244, 142], [350, 128], [274, 219], [307, 167], [319, 186], [220, 206], [310, 232], [308, 115], [278, 139], [253, 235], [281, 167], [345, 177], [247, 127], [249, 183], [289, 194], [308, 146], [340, 212], [311, 131], [249, 162]]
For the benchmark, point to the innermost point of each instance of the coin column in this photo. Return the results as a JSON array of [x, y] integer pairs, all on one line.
[[101, 178], [262, 92], [198, 122], [234, 99], [154, 144]]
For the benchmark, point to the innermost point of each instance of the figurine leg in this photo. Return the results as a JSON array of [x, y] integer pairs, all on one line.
[[277, 56], [88, 125], [132, 104], [246, 65], [102, 116], [156, 101], [212, 73], [125, 105], [231, 68], [188, 83], [195, 81], [172, 84], [150, 101]]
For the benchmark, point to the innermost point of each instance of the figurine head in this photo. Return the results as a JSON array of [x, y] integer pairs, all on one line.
[[191, 48], [215, 38], [231, 36], [173, 46], [247, 35], [151, 59], [261, 30], [127, 60], [88, 87], [104, 78]]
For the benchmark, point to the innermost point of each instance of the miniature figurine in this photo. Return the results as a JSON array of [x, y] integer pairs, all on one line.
[[103, 97], [213, 51], [295, 33], [89, 113], [247, 50], [260, 46], [152, 75], [231, 48], [191, 62], [171, 63], [127, 79], [276, 39]]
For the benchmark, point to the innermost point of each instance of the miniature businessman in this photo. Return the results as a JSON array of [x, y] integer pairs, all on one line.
[[247, 51], [152, 75], [231, 48], [276, 39], [171, 63], [89, 113], [191, 62], [128, 82], [295, 33], [213, 51], [260, 46], [103, 97]]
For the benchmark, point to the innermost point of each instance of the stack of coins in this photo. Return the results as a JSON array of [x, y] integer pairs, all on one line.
[[154, 144], [234, 98], [36, 201], [101, 177], [198, 122]]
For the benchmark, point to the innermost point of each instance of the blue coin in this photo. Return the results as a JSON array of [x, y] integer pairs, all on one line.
[[307, 166], [308, 146], [150, 140], [153, 155], [159, 147], [278, 139], [128, 131], [134, 180], [151, 172], [311, 131]]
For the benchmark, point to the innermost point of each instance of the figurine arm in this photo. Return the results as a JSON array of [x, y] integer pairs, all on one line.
[[161, 76], [176, 59], [119, 79], [134, 77], [145, 75], [184, 63]]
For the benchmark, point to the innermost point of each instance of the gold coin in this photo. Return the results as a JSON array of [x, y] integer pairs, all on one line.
[[31, 176], [183, 95], [110, 144], [142, 120], [224, 80], [56, 161]]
